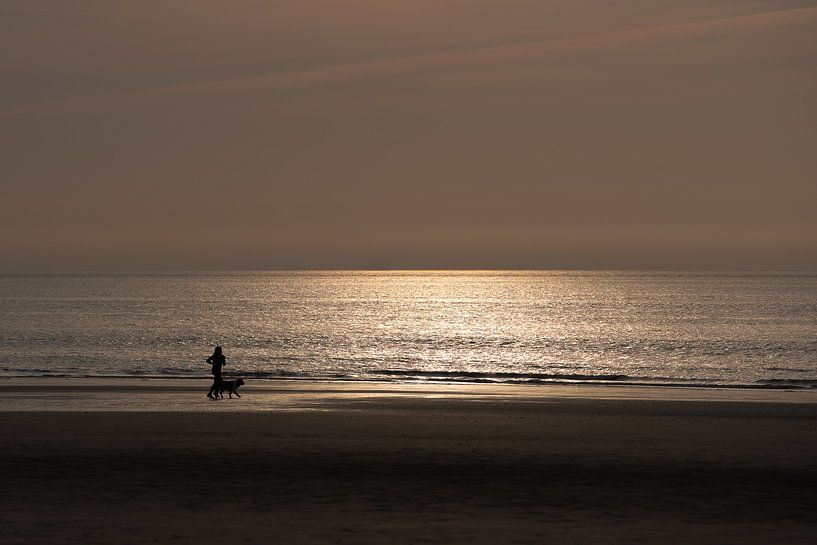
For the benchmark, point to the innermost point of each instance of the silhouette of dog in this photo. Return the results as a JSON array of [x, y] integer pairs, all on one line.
[[229, 386]]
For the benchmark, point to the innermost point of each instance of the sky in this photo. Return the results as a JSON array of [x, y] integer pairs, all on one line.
[[284, 134]]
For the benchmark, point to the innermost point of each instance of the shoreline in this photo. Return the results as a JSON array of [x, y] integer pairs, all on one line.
[[187, 395], [466, 378]]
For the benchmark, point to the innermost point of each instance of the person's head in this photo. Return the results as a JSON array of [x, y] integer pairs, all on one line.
[[217, 350]]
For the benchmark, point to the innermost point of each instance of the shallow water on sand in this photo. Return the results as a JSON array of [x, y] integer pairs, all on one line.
[[653, 328]]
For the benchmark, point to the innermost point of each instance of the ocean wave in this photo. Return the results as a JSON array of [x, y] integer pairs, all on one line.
[[468, 376], [787, 383], [415, 375]]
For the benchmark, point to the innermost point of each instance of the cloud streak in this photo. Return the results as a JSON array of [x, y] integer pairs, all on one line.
[[509, 54]]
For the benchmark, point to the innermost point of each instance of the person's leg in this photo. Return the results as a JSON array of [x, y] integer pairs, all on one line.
[[214, 388], [212, 392]]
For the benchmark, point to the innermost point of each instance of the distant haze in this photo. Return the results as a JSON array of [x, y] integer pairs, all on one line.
[[255, 134]]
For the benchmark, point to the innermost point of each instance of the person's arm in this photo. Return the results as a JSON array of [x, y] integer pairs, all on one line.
[[210, 359]]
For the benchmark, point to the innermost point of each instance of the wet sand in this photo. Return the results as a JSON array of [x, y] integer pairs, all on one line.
[[140, 461]]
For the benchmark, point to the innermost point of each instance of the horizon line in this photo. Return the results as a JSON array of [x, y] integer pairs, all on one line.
[[94, 272]]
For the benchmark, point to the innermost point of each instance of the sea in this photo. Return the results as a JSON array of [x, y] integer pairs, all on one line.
[[653, 328]]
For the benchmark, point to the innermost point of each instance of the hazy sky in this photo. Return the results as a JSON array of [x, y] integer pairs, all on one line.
[[262, 134]]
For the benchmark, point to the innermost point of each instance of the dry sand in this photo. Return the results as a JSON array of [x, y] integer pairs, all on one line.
[[140, 461]]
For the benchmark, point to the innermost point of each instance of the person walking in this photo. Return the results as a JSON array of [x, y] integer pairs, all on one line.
[[219, 362]]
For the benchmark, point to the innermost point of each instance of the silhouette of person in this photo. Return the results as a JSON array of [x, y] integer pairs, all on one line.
[[219, 361]]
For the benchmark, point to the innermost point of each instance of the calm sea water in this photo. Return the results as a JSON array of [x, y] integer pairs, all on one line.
[[654, 328]]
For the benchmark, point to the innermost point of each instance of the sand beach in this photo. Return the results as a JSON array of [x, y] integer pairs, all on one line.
[[154, 461]]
